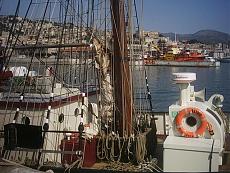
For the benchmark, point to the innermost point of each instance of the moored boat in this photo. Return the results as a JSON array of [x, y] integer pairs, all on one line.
[[153, 62], [189, 59], [190, 56]]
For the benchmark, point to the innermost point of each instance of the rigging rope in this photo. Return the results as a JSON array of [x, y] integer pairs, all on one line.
[[17, 37], [8, 43]]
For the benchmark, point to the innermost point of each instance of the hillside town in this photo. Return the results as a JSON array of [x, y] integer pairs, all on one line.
[[155, 45]]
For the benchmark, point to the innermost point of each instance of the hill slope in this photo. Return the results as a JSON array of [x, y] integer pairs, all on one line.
[[204, 36]]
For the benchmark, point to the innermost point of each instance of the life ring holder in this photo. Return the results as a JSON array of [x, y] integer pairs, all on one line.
[[183, 131]]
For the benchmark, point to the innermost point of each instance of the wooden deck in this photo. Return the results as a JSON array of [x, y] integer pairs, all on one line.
[[12, 167]]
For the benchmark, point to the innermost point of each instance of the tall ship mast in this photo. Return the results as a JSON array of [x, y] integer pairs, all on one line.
[[122, 81]]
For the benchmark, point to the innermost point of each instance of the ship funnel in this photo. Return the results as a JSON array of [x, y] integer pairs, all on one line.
[[200, 95], [184, 80]]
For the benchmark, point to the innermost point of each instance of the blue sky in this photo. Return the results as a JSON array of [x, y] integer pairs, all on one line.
[[180, 16], [186, 16]]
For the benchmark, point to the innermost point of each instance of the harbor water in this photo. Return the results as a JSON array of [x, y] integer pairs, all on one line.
[[165, 92]]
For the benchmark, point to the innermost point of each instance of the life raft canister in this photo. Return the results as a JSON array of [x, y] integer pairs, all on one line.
[[190, 134]]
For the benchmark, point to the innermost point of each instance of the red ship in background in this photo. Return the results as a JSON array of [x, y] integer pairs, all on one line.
[[190, 56]]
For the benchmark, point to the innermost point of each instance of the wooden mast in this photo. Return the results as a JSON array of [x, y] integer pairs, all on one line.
[[120, 67]]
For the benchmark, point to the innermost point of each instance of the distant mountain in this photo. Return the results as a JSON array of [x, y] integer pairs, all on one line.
[[203, 36]]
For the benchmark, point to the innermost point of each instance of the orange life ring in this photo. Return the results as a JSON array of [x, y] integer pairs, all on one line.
[[186, 133]]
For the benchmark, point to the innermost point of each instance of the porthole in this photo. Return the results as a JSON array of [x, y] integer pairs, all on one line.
[[76, 112], [25, 120], [61, 118]]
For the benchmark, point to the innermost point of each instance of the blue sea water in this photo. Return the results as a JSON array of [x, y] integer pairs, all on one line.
[[165, 92]]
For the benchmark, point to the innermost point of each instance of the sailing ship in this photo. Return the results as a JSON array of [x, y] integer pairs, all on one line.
[[67, 96]]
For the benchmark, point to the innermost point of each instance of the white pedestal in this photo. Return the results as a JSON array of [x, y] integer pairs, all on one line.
[[191, 154]]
